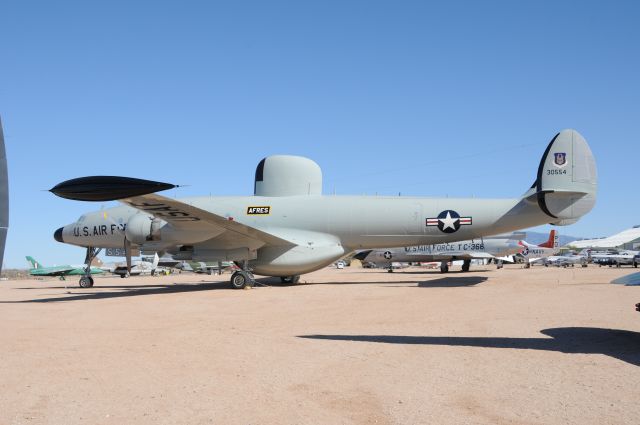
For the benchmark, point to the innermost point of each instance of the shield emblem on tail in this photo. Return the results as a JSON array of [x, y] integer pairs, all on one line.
[[560, 159]]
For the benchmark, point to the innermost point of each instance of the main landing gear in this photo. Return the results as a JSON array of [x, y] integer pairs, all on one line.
[[86, 281], [444, 267], [242, 278], [293, 280], [466, 265]]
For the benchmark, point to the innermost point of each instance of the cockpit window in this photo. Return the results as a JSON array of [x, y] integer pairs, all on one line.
[[81, 219]]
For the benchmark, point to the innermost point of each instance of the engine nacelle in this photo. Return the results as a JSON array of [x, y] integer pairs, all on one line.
[[138, 229], [289, 261]]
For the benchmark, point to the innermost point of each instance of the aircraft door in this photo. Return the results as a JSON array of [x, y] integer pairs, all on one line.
[[417, 222]]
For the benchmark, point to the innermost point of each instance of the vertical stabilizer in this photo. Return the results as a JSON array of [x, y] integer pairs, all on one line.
[[552, 242], [33, 262], [4, 197], [566, 184]]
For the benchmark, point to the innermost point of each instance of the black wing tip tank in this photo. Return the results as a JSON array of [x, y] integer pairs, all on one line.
[[107, 188]]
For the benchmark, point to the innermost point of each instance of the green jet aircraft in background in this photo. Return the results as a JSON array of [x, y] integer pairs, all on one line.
[[37, 269]]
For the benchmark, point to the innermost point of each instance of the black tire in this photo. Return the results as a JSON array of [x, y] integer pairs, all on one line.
[[390, 270], [635, 265], [86, 282], [240, 279], [444, 269], [466, 265], [292, 280]]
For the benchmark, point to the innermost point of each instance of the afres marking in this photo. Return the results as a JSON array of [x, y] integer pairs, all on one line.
[[264, 210]]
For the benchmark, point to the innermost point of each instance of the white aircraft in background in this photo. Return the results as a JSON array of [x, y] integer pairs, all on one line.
[[568, 260], [492, 247], [138, 268], [538, 253]]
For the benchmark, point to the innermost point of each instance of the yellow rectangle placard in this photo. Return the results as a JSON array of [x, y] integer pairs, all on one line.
[[259, 210]]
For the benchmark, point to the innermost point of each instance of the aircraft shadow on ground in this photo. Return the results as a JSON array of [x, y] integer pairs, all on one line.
[[438, 272], [137, 290], [275, 282], [620, 344], [453, 282], [127, 291], [445, 282]]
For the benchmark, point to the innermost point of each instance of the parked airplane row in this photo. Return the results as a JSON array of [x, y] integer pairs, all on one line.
[[143, 267]]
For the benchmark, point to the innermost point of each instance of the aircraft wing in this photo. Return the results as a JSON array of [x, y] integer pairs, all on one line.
[[481, 255], [182, 215], [624, 237]]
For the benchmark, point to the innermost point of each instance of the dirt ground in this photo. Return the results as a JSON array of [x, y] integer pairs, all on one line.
[[350, 346]]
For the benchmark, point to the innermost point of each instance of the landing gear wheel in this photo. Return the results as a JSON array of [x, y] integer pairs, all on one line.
[[86, 282], [293, 280], [390, 270], [466, 265], [444, 268], [240, 279]]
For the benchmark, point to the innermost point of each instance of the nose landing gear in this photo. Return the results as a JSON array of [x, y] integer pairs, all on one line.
[[86, 281]]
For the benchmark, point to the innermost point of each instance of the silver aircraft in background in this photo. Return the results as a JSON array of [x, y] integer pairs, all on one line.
[[487, 248], [289, 228]]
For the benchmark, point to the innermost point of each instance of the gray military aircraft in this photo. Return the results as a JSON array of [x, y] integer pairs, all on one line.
[[490, 247], [289, 228]]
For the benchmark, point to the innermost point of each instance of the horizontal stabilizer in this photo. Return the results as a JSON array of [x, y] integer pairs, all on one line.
[[107, 188], [362, 254]]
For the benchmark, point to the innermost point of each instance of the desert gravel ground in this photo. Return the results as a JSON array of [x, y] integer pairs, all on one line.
[[352, 346]]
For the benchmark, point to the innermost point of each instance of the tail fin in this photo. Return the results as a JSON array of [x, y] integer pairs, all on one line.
[[566, 184], [34, 263], [552, 242]]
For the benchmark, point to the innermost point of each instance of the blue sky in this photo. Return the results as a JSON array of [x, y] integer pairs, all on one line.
[[421, 98]]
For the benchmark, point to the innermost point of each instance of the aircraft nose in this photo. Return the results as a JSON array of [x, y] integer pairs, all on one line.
[[57, 235]]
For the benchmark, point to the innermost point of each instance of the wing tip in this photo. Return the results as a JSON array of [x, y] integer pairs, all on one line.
[[107, 188]]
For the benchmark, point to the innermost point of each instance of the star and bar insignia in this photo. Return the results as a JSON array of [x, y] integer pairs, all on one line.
[[449, 221]]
